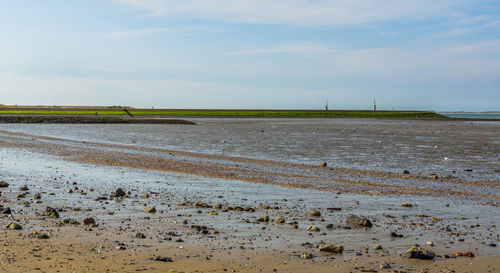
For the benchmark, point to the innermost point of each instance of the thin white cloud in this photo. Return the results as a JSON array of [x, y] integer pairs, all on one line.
[[303, 48], [401, 65], [296, 12], [112, 69], [170, 31], [472, 28], [475, 49]]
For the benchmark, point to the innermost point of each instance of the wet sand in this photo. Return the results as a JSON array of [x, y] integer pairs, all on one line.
[[208, 207]]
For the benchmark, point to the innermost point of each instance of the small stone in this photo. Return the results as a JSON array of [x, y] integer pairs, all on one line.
[[313, 228], [377, 247], [385, 266], [150, 210], [14, 226], [430, 243], [119, 193], [39, 235], [70, 221], [163, 259], [280, 220], [89, 221], [24, 188], [406, 172], [416, 252], [315, 213], [140, 235], [51, 212], [37, 196], [263, 219], [394, 234], [331, 248], [355, 221], [323, 164], [306, 255], [5, 210], [213, 213], [407, 205], [3, 184]]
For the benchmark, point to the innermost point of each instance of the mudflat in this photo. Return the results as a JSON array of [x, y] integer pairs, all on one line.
[[88, 119], [251, 196]]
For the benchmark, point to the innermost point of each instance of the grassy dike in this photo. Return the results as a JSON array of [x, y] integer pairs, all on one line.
[[228, 113]]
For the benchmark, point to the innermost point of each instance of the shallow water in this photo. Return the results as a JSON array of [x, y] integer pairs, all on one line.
[[422, 147]]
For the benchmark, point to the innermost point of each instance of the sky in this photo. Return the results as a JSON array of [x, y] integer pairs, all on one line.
[[272, 54]]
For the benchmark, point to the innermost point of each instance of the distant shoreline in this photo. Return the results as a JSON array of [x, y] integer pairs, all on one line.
[[118, 114], [100, 112]]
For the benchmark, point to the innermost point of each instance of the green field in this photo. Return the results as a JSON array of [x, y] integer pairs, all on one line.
[[229, 113]]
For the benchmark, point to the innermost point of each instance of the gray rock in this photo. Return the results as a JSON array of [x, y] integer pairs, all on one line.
[[355, 221], [416, 252], [306, 255], [163, 259], [51, 212], [119, 193], [5, 210], [331, 248], [385, 266]]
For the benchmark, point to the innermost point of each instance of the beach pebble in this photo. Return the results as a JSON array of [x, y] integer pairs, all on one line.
[[416, 252], [280, 220], [306, 255], [14, 226], [38, 235], [5, 210], [118, 193], [313, 228], [394, 234], [355, 221], [89, 221], [331, 248], [163, 259], [263, 219], [315, 213], [51, 212], [385, 266]]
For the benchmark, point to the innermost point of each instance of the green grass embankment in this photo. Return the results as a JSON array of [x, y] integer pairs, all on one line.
[[233, 113]]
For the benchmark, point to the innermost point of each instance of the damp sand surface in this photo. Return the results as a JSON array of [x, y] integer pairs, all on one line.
[[208, 202]]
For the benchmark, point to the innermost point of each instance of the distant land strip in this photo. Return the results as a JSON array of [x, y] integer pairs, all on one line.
[[98, 111]]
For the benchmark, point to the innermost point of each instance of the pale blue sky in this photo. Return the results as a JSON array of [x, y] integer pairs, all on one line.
[[407, 54]]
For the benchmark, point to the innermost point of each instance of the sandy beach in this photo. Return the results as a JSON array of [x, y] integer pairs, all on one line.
[[239, 196]]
